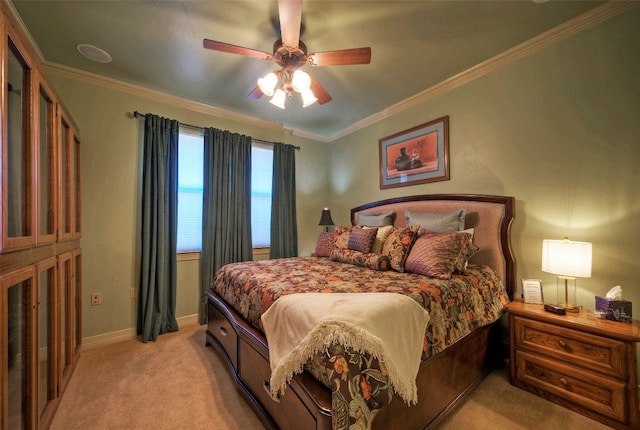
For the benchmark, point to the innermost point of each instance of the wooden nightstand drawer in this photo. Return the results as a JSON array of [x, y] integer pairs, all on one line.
[[597, 353], [566, 383]]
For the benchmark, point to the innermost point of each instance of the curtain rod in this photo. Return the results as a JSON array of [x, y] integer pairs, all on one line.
[[137, 114]]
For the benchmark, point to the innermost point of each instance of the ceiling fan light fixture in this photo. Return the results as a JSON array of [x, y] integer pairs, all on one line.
[[268, 84], [301, 81], [278, 98], [308, 98]]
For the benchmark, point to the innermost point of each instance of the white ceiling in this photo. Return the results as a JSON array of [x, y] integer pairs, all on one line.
[[415, 45]]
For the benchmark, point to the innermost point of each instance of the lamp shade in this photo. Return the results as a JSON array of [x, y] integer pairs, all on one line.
[[566, 258], [268, 84], [278, 98], [325, 218]]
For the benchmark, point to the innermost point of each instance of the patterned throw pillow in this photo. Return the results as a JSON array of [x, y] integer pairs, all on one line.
[[324, 245], [397, 246], [357, 258], [437, 222], [381, 236], [438, 255], [342, 237], [361, 239]]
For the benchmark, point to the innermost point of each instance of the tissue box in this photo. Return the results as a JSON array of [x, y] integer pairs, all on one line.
[[615, 310]]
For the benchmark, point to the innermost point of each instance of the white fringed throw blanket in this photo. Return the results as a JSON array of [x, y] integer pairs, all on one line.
[[389, 326]]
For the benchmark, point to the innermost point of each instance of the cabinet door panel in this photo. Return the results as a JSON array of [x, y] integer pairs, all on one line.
[[17, 334], [17, 181], [46, 167]]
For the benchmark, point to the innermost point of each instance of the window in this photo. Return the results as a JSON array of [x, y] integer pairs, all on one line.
[[190, 189]]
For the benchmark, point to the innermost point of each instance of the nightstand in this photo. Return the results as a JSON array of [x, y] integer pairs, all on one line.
[[578, 361]]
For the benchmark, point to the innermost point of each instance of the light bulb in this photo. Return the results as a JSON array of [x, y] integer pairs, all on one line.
[[301, 81], [308, 98], [268, 84], [278, 98]]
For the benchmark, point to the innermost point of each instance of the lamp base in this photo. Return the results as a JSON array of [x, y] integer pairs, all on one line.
[[571, 308]]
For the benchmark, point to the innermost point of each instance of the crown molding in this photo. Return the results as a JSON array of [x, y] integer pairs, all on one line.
[[576, 25], [159, 96]]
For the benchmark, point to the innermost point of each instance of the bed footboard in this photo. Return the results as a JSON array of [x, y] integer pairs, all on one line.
[[306, 404], [443, 381]]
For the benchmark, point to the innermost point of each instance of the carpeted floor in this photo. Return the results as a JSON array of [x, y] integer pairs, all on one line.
[[178, 383]]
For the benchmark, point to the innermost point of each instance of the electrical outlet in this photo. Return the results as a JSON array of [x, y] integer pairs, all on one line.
[[96, 299], [132, 293]]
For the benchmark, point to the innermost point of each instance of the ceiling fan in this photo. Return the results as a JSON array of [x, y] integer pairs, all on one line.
[[290, 54]]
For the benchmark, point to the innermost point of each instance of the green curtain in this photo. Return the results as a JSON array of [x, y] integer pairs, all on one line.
[[157, 295], [226, 209], [284, 227]]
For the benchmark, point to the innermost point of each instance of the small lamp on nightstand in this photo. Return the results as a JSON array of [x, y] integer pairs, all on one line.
[[325, 219], [569, 260]]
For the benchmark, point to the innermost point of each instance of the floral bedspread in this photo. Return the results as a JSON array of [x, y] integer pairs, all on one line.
[[359, 382]]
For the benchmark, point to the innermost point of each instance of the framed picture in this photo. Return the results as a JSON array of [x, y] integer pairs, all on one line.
[[415, 156], [532, 291]]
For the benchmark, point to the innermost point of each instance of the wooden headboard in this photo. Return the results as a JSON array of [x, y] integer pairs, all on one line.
[[490, 216]]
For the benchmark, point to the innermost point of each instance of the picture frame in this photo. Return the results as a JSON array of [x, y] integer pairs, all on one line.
[[532, 291], [415, 156]]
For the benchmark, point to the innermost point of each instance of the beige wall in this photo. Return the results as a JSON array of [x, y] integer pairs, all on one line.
[[558, 130]]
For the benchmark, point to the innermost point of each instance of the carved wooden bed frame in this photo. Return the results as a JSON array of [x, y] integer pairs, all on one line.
[[443, 380]]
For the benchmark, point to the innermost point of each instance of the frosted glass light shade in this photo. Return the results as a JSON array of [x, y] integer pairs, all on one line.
[[301, 81], [268, 84], [567, 258], [308, 98], [278, 98]]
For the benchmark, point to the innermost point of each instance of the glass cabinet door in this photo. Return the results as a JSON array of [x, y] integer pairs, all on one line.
[[16, 301], [17, 181], [66, 345], [65, 189], [46, 351], [46, 168]]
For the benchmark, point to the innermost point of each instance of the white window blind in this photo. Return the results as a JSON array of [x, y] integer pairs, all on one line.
[[190, 180]]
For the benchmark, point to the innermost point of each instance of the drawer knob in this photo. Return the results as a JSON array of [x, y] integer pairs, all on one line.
[[564, 382], [564, 345], [223, 331]]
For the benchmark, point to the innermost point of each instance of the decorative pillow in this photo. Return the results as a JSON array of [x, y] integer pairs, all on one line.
[[361, 239], [342, 237], [436, 255], [324, 245], [381, 236], [437, 222], [397, 246], [357, 258], [376, 219], [463, 260]]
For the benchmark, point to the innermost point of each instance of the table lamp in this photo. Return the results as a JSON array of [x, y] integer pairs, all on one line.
[[569, 260], [325, 219]]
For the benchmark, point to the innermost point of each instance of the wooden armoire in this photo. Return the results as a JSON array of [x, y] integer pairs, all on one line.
[[40, 259]]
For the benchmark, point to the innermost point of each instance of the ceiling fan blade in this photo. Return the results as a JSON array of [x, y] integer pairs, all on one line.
[[290, 12], [341, 58], [321, 94], [256, 93], [234, 49]]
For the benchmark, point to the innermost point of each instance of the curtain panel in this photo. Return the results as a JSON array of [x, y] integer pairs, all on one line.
[[157, 289], [284, 226], [226, 210]]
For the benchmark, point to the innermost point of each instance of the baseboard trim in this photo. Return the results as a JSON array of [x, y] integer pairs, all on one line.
[[92, 342]]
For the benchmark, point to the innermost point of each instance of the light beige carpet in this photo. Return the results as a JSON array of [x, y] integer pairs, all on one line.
[[178, 383]]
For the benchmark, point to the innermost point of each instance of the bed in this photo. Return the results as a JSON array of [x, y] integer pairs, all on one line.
[[448, 368]]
